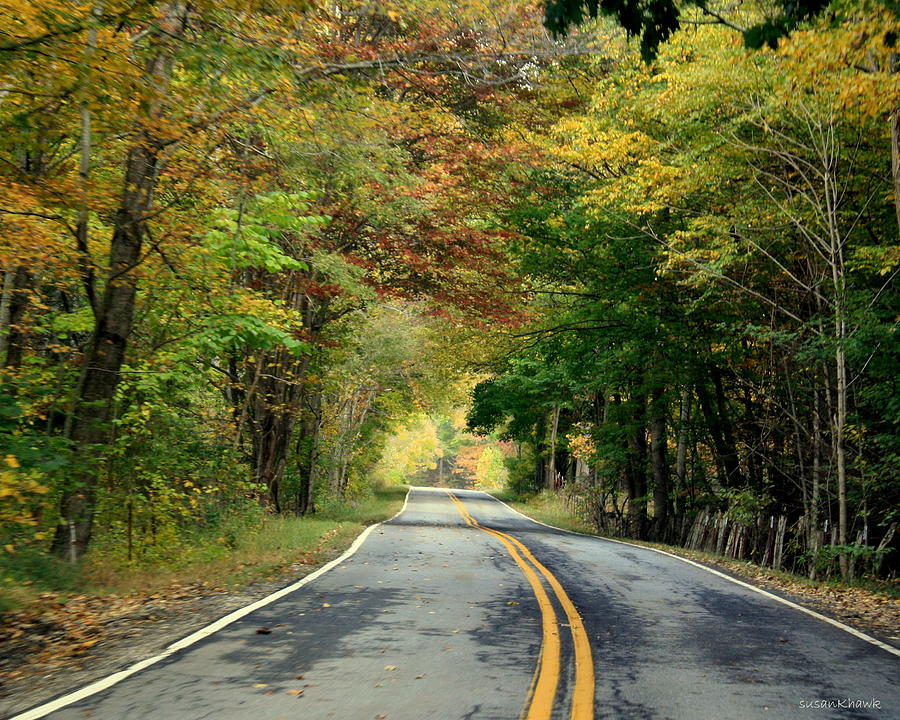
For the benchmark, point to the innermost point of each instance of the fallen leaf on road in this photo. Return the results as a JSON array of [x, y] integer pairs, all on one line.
[[260, 685], [390, 667], [294, 692], [263, 631]]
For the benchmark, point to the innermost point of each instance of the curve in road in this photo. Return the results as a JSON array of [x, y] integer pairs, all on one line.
[[433, 615]]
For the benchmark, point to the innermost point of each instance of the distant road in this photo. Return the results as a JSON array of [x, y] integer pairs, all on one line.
[[461, 608]]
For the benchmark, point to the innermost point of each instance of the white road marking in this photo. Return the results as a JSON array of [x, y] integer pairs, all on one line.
[[846, 628], [110, 680]]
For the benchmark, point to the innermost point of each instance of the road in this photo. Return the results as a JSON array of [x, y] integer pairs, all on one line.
[[461, 608]]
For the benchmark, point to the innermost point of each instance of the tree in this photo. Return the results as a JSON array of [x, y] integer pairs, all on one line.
[[689, 237]]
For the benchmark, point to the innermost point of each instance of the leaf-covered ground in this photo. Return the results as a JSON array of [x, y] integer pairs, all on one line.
[[56, 641], [60, 642], [57, 646]]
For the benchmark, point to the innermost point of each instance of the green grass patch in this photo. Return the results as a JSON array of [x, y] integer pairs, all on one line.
[[546, 507], [257, 552]]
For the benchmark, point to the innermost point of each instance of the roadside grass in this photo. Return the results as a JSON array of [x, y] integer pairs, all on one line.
[[31, 579], [548, 508]]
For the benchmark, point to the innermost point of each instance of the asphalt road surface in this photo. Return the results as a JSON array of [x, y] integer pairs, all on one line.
[[461, 608]]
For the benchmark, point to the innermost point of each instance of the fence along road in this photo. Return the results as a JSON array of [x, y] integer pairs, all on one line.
[[462, 608]]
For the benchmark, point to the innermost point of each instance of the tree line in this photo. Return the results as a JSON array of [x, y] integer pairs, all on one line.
[[241, 246], [231, 237], [711, 242]]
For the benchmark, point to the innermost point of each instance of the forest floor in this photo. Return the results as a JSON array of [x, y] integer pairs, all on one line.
[[60, 641], [872, 608]]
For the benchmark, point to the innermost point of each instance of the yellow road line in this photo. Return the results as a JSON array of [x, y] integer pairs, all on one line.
[[543, 688], [583, 693]]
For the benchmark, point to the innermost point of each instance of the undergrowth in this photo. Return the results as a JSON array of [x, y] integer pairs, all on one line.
[[209, 558]]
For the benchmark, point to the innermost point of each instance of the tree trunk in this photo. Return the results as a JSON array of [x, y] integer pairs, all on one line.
[[659, 463], [895, 160], [720, 432], [19, 287], [550, 479], [813, 541], [833, 193], [105, 354], [6, 309], [840, 425], [636, 469], [540, 447], [308, 440], [684, 418]]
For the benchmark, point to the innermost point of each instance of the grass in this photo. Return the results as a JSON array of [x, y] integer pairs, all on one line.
[[30, 578], [547, 508]]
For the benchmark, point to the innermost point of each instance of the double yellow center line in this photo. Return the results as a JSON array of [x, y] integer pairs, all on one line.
[[546, 678]]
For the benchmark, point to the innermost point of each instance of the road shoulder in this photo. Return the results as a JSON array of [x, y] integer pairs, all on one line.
[[122, 631], [872, 613]]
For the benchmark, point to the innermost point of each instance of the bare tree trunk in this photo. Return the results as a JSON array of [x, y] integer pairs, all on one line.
[[840, 425], [540, 445], [895, 160], [105, 354], [5, 307], [636, 468], [308, 440], [354, 411], [659, 463], [84, 174], [246, 398], [550, 480], [684, 418], [726, 456], [830, 152], [16, 310], [813, 542]]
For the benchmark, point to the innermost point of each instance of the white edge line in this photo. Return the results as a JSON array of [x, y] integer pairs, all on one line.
[[783, 601], [110, 680]]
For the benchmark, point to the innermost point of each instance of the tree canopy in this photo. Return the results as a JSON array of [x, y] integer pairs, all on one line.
[[252, 253]]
